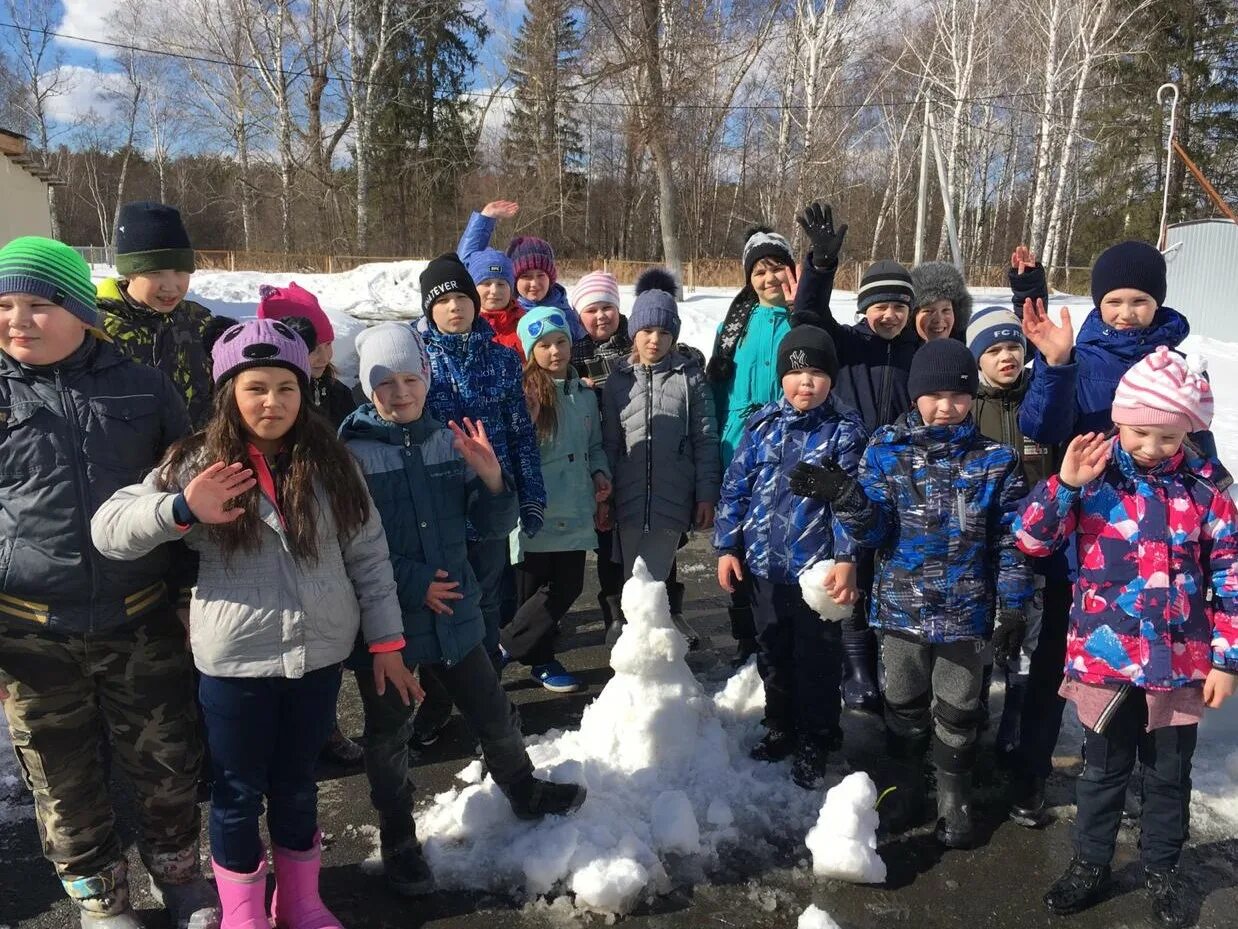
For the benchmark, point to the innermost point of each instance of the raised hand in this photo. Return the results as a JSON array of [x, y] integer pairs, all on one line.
[[790, 280], [500, 209], [730, 572], [389, 667], [209, 493], [474, 447], [817, 221], [1054, 342], [1085, 460], [1022, 259]]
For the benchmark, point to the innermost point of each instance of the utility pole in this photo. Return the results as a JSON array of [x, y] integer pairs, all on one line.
[[922, 195]]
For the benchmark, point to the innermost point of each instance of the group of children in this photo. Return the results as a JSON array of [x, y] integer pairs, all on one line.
[[155, 457]]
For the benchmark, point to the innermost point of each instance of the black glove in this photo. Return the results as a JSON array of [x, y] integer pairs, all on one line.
[[1008, 635], [826, 482], [817, 221]]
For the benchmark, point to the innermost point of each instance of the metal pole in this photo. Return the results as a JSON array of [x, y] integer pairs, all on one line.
[[1169, 156], [946, 199], [922, 196]]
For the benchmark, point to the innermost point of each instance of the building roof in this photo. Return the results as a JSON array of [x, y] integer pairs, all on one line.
[[16, 148]]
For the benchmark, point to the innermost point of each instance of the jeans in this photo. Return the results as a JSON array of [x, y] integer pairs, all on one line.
[[471, 682], [1100, 792], [547, 584], [1041, 720], [265, 735], [799, 658]]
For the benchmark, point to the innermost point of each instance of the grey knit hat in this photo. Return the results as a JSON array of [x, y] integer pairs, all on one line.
[[939, 280], [387, 349]]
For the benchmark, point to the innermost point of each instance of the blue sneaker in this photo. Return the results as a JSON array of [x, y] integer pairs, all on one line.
[[554, 677]]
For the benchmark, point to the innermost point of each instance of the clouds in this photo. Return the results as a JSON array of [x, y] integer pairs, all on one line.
[[89, 20], [85, 90]]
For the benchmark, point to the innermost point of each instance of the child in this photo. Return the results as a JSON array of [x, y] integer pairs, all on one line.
[[662, 441], [328, 395], [1154, 625], [943, 304], [875, 358], [79, 633], [532, 262], [427, 480], [945, 497], [145, 310], [767, 532], [550, 568], [606, 342], [293, 563], [739, 372]]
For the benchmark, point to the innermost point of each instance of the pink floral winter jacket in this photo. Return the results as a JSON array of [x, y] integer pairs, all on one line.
[[1156, 600]]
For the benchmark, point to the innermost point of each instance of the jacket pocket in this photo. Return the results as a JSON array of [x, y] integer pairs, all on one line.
[[124, 434], [25, 448]]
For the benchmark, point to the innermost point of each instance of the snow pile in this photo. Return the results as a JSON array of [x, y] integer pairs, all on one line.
[[844, 840], [669, 779], [812, 585], [815, 918]]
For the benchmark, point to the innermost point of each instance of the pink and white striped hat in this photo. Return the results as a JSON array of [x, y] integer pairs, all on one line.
[[595, 287], [1164, 389]]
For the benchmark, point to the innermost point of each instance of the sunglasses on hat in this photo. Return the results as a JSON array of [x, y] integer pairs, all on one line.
[[539, 326]]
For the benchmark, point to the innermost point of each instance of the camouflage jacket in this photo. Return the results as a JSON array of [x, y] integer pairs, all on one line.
[[171, 342]]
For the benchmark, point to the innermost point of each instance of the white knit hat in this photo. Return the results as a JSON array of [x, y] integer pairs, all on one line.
[[387, 349], [595, 287], [1164, 389]]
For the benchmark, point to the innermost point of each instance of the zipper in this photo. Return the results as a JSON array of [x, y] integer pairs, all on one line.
[[79, 485], [884, 410], [648, 442]]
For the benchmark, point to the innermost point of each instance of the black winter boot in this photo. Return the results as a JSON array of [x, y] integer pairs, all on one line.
[[404, 865], [902, 796], [1081, 886], [955, 825], [1027, 801], [776, 745], [860, 690], [1167, 896], [986, 684], [533, 798], [812, 755]]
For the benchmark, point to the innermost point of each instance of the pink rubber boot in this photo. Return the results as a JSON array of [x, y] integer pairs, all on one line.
[[296, 904], [242, 897]]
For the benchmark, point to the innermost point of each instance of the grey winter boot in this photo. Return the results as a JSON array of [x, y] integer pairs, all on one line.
[[103, 900], [177, 884], [614, 625]]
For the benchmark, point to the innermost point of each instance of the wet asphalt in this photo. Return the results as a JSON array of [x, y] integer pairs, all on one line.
[[999, 884]]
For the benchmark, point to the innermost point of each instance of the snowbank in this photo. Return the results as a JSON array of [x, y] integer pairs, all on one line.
[[669, 778]]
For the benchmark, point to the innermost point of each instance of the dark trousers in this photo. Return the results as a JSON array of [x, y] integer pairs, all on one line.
[[1100, 792], [740, 612], [472, 683], [265, 735], [610, 572], [488, 558], [799, 658], [1042, 707], [547, 584], [855, 627]]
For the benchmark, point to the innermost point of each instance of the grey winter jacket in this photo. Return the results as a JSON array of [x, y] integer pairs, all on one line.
[[70, 435], [264, 613], [661, 436]]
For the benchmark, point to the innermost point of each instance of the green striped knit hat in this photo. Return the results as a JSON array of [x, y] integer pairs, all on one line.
[[49, 269]]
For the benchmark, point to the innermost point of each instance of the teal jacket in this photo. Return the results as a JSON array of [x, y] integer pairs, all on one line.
[[424, 493], [570, 458], [755, 382]]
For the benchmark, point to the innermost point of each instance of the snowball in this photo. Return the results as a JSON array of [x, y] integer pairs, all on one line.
[[812, 585], [814, 918], [844, 840], [611, 885], [674, 824]]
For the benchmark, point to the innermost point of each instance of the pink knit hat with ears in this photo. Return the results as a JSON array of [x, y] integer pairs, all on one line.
[[1164, 389]]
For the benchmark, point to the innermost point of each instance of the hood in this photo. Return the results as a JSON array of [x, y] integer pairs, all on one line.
[[1169, 327], [364, 423], [909, 429], [940, 280], [504, 320], [810, 419], [1120, 458]]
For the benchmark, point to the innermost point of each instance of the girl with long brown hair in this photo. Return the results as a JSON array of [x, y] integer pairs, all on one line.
[[293, 562]]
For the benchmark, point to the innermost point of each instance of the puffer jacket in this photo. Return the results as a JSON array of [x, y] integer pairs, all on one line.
[[70, 436], [504, 323], [872, 374], [570, 459], [661, 439], [1102, 355], [171, 342], [941, 508], [475, 377], [754, 381], [776, 533], [264, 613], [1156, 599], [332, 398], [424, 493]]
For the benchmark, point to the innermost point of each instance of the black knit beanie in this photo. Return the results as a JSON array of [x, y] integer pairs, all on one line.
[[885, 281], [807, 347], [445, 275], [151, 237], [943, 364], [1129, 264]]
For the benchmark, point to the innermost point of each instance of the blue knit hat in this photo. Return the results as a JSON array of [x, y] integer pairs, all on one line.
[[654, 309], [540, 322], [991, 325], [491, 264], [1129, 264]]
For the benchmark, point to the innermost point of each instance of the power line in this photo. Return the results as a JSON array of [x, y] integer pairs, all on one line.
[[484, 95]]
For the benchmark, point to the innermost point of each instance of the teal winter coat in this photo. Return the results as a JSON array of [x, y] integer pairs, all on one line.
[[425, 495], [570, 458], [755, 381]]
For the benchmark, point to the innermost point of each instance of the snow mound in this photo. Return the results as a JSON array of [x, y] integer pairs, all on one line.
[[1231, 765], [812, 585], [815, 918], [669, 779], [844, 840]]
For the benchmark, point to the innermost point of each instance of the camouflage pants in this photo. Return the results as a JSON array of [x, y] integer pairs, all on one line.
[[64, 691]]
